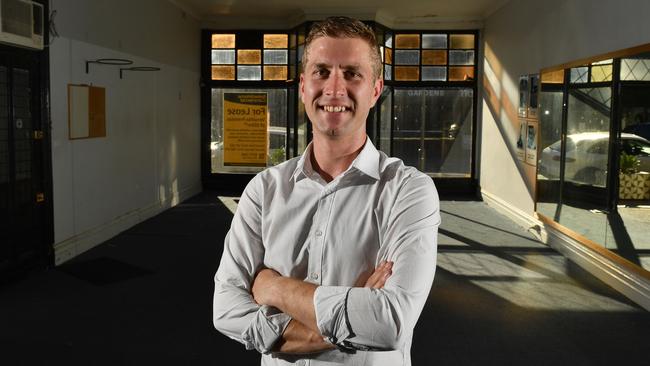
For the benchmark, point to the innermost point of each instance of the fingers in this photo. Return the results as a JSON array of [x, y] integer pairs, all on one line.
[[380, 275]]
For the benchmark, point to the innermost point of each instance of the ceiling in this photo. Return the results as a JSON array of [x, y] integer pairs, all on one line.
[[393, 13]]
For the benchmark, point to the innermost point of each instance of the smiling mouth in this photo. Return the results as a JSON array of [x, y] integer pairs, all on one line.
[[334, 108]]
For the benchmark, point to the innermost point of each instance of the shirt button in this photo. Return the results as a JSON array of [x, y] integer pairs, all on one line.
[[319, 233], [314, 276]]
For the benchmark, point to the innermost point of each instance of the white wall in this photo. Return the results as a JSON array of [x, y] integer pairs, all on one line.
[[150, 157], [523, 37]]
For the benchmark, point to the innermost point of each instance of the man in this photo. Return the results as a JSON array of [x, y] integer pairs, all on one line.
[[330, 257]]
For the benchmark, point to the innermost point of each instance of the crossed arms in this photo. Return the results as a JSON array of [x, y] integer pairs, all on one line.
[[272, 313]]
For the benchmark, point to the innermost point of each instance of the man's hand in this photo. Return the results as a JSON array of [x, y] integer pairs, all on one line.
[[377, 278], [263, 286]]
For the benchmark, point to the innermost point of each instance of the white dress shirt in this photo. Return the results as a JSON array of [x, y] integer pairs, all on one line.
[[292, 221]]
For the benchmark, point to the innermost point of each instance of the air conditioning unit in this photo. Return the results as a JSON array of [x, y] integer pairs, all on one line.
[[21, 23]]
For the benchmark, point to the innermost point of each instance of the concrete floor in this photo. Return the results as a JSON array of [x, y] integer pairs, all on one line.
[[144, 297]]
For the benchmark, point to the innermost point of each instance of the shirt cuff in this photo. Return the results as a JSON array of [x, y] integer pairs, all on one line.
[[330, 304], [265, 329]]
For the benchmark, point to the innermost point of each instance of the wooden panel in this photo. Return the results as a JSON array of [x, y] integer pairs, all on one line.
[[249, 57], [223, 72], [407, 41], [276, 41], [407, 73], [553, 77], [461, 41], [461, 73], [275, 73], [96, 112]]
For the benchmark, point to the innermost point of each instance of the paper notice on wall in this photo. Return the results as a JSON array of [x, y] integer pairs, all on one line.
[[521, 140], [531, 143], [245, 129]]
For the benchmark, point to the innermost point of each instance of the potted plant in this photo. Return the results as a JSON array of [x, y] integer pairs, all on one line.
[[632, 183]]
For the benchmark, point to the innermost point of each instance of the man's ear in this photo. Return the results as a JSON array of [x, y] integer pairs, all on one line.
[[377, 89], [301, 87]]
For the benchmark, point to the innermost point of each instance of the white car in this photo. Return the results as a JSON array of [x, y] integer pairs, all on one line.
[[586, 157]]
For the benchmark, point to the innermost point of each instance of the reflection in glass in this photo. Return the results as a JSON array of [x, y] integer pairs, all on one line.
[[434, 41], [601, 73], [277, 113], [389, 40], [548, 167], [637, 69], [579, 74], [385, 121], [249, 72], [432, 130], [587, 150]]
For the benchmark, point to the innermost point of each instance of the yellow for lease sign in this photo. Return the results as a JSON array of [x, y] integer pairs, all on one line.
[[245, 129]]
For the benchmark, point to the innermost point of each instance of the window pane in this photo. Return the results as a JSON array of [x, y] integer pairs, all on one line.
[[277, 113], [579, 74], [249, 73], [389, 56], [434, 41], [553, 77], [407, 73], [276, 41], [275, 57], [430, 57], [221, 57], [635, 69], [407, 57], [461, 57], [461, 73], [385, 122], [407, 41], [588, 129], [601, 73], [461, 41], [249, 57], [389, 40], [432, 130], [548, 169], [275, 73], [223, 41], [223, 73], [434, 73], [388, 72]]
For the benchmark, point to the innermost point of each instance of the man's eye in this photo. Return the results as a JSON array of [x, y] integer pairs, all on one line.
[[352, 74], [321, 72]]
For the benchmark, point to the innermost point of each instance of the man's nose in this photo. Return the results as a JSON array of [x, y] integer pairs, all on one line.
[[335, 85]]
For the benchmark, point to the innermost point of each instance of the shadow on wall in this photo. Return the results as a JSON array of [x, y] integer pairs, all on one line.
[[496, 82]]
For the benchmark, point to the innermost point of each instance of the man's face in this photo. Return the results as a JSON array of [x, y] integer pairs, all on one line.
[[337, 86]]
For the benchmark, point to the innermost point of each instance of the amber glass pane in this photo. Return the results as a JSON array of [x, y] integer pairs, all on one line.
[[461, 73], [601, 73], [461, 41], [389, 56], [407, 73], [223, 41], [223, 73], [276, 41], [407, 41], [249, 57], [275, 73], [553, 77], [431, 57]]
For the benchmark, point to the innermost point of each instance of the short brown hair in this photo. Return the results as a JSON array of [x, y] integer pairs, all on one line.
[[344, 27]]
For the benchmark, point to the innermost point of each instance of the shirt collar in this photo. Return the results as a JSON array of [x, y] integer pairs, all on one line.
[[366, 162]]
